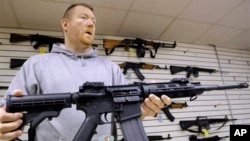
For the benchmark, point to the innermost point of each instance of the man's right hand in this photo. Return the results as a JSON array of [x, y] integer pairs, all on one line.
[[9, 122]]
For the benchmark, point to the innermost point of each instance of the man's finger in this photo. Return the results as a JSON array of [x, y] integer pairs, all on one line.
[[17, 92], [156, 100], [152, 105], [166, 99], [11, 135], [10, 126], [7, 117]]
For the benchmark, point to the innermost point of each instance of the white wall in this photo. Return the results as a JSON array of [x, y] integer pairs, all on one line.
[[233, 64]]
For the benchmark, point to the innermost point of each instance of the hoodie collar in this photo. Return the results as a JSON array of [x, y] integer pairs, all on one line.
[[60, 48]]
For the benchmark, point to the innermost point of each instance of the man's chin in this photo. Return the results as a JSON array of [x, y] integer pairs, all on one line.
[[87, 42]]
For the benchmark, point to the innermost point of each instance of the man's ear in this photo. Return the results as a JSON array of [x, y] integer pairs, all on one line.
[[64, 24]]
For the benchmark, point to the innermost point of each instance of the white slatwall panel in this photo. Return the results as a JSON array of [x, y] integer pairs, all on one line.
[[234, 64]]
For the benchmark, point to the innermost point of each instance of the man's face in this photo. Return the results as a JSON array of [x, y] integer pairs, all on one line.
[[81, 26]]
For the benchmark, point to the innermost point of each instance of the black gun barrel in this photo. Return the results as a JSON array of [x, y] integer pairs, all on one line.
[[175, 90], [224, 87]]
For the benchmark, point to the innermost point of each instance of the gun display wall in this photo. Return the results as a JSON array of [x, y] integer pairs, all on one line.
[[214, 105]]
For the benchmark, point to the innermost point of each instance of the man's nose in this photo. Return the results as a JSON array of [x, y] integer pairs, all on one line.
[[90, 23]]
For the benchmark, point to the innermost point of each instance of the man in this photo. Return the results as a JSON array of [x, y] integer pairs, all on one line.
[[63, 70]]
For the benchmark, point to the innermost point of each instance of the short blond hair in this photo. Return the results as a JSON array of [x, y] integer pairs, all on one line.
[[69, 9]]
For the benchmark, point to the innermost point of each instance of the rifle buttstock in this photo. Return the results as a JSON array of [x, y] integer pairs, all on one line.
[[110, 43], [14, 38]]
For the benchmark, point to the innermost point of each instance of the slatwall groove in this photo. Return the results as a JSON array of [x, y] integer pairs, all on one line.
[[163, 57], [234, 58], [235, 66], [24, 48]]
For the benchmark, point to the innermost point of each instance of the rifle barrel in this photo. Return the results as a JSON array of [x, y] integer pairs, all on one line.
[[224, 87]]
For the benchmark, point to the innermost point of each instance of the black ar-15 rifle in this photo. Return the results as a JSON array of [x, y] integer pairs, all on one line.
[[213, 138], [190, 70], [139, 44], [203, 123], [14, 63], [96, 99], [155, 138]]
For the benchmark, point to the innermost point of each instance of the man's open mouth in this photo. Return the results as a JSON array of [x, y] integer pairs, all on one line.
[[88, 32]]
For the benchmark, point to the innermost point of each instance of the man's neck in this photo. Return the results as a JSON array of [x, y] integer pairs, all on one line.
[[78, 48]]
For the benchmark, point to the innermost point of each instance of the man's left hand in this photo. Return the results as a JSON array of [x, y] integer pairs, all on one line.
[[153, 104]]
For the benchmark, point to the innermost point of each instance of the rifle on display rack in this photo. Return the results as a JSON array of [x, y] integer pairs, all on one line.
[[96, 99], [137, 66], [155, 138], [14, 63], [139, 44], [39, 39], [173, 105], [213, 138], [190, 70], [203, 123], [3, 87]]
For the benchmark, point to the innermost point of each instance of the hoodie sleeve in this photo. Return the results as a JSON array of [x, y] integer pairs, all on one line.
[[119, 77], [25, 80]]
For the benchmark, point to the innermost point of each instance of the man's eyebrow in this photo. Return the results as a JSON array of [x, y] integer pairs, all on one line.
[[88, 16], [85, 14]]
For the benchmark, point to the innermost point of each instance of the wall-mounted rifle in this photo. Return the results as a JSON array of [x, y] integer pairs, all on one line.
[[173, 105], [212, 138], [39, 39], [139, 44], [203, 123], [14, 62], [137, 66], [3, 87], [190, 70]]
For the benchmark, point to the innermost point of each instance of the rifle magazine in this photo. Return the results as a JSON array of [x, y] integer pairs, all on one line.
[[133, 130]]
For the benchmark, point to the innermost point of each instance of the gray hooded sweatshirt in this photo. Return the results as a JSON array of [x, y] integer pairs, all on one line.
[[64, 71]]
